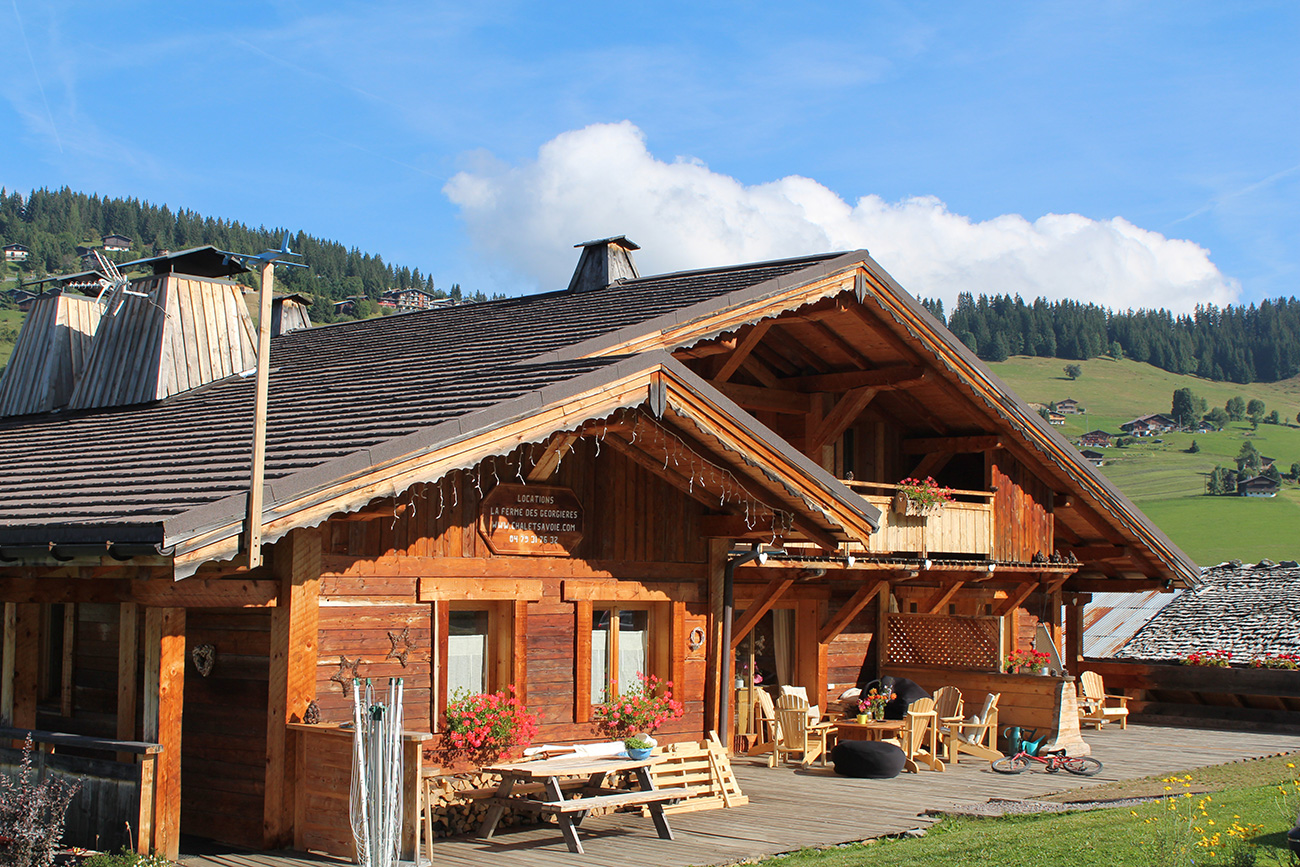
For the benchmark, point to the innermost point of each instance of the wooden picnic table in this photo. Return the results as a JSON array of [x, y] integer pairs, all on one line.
[[570, 812]]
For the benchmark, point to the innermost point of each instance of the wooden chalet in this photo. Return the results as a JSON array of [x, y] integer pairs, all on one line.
[[1149, 425], [1069, 406], [1096, 438], [16, 252], [116, 243], [1258, 486], [542, 492]]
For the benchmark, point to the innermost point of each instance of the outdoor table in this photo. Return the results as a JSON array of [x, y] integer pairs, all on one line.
[[570, 813]]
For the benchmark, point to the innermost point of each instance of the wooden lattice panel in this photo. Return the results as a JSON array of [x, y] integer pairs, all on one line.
[[939, 639]]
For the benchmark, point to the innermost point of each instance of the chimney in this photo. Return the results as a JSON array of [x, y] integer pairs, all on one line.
[[164, 334], [603, 262], [50, 354]]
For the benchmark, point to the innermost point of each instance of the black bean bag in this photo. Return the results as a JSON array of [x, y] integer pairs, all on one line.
[[907, 691], [870, 760]]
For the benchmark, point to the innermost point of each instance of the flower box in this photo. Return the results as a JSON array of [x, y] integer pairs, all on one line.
[[905, 505]]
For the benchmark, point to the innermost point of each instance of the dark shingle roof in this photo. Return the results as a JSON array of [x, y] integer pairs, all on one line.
[[1244, 610], [334, 391]]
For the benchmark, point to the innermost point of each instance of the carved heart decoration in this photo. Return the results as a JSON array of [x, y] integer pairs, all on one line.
[[204, 656]]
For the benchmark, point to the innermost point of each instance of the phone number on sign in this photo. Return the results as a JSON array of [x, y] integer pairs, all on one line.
[[530, 539]]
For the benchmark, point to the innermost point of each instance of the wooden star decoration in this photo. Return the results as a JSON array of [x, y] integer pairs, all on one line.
[[401, 642], [342, 676]]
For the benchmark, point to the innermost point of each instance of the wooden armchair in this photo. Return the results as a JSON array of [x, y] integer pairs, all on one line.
[[948, 707], [796, 734], [919, 738], [1096, 708], [977, 735], [765, 725]]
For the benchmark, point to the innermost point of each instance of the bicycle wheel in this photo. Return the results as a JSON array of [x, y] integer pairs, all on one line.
[[1084, 766], [1010, 765]]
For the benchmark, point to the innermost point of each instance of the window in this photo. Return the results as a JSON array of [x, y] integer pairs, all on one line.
[[467, 651], [620, 648]]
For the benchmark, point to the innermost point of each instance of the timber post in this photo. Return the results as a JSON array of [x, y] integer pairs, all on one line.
[[164, 699], [296, 565]]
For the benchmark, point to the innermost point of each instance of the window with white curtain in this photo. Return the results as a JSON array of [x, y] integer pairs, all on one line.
[[467, 656], [620, 648]]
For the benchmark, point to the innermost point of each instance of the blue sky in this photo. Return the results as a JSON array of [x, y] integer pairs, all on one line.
[[479, 143]]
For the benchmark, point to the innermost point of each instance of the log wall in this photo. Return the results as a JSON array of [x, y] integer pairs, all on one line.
[[371, 589], [1022, 511]]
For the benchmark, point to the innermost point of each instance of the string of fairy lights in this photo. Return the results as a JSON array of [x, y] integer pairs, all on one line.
[[678, 455]]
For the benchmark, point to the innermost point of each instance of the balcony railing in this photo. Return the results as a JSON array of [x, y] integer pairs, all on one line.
[[964, 526]]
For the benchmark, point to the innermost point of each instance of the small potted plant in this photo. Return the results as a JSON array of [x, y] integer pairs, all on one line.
[[922, 497], [639, 746]]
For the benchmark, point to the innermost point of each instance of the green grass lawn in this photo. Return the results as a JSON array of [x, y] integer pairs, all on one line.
[[1163, 479], [1149, 834], [10, 322]]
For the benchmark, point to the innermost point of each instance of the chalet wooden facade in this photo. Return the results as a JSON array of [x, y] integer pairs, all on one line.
[[550, 493]]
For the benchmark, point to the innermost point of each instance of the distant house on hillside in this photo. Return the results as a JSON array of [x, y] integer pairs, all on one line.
[[16, 253], [1069, 406], [1055, 418], [412, 299], [1096, 439], [116, 243], [1093, 457], [1149, 425], [1258, 486]]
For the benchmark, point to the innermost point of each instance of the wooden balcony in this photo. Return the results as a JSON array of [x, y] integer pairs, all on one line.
[[964, 526]]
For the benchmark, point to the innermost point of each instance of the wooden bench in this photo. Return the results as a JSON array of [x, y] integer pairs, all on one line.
[[585, 803]]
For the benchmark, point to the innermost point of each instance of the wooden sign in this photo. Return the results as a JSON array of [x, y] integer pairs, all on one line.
[[531, 519]]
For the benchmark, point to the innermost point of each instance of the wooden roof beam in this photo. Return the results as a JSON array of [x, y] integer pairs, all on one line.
[[1088, 553], [941, 598], [842, 618], [844, 413], [883, 378], [763, 604], [556, 448], [841, 344], [743, 348], [931, 464], [766, 399], [958, 445], [1015, 598]]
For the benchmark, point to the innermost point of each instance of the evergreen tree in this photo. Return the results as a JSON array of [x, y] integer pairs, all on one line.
[[1184, 407]]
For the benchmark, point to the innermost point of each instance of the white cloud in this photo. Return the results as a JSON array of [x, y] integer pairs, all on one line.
[[601, 180]]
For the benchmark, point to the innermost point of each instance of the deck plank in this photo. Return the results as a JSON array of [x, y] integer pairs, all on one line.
[[792, 808]]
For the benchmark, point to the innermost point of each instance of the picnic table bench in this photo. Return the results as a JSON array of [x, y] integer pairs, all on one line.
[[569, 812]]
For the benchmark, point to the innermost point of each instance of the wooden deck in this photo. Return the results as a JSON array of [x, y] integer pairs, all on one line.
[[790, 809]]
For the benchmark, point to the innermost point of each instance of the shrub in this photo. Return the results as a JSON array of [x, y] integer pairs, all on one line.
[[31, 815], [485, 725], [640, 708], [123, 858]]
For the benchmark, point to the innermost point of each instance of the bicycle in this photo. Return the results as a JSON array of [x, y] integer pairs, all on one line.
[[1083, 766]]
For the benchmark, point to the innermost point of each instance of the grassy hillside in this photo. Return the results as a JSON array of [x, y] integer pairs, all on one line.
[[1165, 480], [10, 322]]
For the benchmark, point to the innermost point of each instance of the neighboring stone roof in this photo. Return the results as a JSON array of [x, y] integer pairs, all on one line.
[[1245, 610]]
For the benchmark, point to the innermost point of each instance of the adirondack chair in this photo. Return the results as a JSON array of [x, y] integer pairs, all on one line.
[[765, 724], [976, 735], [948, 709], [919, 739], [796, 734], [1096, 708]]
